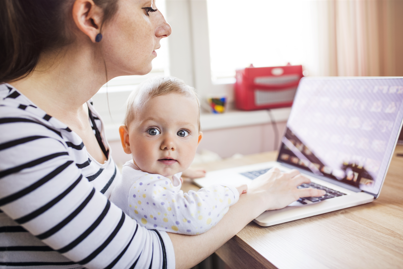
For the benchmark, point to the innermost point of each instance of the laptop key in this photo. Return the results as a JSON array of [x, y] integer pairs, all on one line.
[[302, 201], [254, 174], [330, 193], [315, 199]]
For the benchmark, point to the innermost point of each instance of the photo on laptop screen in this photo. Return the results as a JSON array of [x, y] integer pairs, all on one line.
[[345, 130]]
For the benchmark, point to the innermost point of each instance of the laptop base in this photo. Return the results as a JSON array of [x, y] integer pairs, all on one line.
[[290, 213]]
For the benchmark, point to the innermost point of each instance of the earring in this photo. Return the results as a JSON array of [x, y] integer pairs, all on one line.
[[98, 38]]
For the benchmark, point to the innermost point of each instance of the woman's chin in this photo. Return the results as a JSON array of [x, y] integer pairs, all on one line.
[[141, 71], [131, 71]]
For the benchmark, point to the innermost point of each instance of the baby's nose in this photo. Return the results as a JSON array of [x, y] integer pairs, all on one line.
[[168, 144]]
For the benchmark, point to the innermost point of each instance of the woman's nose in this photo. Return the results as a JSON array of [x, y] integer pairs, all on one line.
[[163, 29]]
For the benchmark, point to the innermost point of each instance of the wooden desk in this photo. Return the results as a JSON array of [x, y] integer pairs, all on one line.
[[366, 236]]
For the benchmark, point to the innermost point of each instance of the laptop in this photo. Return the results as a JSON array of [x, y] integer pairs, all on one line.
[[341, 133]]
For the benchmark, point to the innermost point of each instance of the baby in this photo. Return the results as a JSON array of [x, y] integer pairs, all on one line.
[[162, 132]]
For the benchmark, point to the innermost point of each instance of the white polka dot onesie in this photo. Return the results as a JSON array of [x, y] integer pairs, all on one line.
[[158, 203]]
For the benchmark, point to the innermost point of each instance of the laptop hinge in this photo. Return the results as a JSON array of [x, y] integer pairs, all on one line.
[[375, 196]]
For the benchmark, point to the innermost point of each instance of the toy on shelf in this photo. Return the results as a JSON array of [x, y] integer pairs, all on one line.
[[217, 104]]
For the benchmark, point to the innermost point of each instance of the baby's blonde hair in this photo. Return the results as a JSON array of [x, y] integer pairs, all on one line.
[[153, 88]]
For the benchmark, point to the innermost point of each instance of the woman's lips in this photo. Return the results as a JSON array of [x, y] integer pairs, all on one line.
[[168, 161]]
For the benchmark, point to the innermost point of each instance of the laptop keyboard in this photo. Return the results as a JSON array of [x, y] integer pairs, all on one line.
[[255, 174], [330, 193]]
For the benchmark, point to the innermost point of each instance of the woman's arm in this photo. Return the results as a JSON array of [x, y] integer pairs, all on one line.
[[45, 195], [238, 216], [273, 190]]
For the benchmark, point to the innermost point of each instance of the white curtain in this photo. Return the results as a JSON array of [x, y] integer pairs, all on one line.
[[361, 37]]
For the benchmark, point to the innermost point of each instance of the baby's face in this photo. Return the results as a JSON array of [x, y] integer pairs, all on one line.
[[164, 135]]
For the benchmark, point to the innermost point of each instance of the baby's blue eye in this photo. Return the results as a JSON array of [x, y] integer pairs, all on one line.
[[153, 131], [182, 133]]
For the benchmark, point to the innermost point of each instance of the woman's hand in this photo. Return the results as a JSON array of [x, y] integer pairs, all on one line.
[[272, 190], [277, 189]]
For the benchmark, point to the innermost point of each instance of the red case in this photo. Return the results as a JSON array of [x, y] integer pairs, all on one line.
[[266, 87]]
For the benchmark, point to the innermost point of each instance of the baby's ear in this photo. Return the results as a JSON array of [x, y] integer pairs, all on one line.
[[124, 139], [200, 137]]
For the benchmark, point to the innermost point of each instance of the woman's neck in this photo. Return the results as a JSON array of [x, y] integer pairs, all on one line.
[[63, 81]]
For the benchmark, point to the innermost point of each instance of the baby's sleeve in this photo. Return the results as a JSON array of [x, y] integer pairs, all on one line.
[[156, 204]]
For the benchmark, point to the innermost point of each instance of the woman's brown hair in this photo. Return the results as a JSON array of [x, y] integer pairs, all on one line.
[[30, 27]]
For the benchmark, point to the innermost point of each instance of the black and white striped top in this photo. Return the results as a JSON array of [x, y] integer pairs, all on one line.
[[54, 207]]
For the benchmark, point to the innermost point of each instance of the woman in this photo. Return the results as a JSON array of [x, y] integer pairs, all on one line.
[[56, 172]]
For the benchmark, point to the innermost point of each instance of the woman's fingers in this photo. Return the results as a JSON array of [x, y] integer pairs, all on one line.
[[293, 173], [310, 192], [280, 189], [300, 179], [306, 192], [275, 170], [287, 175]]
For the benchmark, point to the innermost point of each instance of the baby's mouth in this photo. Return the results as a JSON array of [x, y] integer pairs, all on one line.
[[167, 161]]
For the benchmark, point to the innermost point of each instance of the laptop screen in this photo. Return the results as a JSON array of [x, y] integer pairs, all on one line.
[[345, 129], [400, 141]]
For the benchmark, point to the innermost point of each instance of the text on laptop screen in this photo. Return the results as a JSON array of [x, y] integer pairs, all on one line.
[[345, 128]]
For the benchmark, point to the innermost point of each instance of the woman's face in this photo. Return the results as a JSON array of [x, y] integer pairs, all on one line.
[[131, 38]]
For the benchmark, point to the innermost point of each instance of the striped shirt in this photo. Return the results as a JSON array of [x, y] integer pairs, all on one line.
[[54, 207]]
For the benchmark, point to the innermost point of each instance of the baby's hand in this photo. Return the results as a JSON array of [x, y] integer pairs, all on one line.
[[194, 173], [242, 189]]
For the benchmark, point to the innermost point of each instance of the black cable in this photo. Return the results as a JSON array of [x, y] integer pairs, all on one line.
[[274, 124]]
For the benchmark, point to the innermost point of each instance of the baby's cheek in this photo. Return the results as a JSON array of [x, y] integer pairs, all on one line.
[[188, 156], [143, 154]]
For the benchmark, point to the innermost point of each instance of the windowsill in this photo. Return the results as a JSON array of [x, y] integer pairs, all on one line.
[[230, 119]]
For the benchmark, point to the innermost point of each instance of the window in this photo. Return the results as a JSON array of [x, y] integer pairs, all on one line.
[[259, 32], [229, 34]]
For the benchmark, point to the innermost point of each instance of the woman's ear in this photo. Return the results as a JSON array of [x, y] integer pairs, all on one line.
[[200, 138], [88, 17], [124, 139]]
